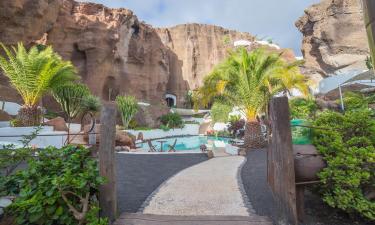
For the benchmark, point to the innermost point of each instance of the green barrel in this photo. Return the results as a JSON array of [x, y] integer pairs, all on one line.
[[301, 135]]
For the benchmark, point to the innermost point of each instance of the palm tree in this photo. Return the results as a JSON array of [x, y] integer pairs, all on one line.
[[34, 73], [248, 80]]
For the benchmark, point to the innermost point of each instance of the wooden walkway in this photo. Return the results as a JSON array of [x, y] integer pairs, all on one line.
[[148, 219]]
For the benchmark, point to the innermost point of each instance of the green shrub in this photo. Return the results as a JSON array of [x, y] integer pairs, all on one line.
[[15, 123], [220, 112], [223, 133], [347, 145], [143, 128], [10, 158], [128, 107], [301, 108], [164, 127], [70, 97], [57, 183], [354, 101], [172, 120], [50, 114], [133, 124]]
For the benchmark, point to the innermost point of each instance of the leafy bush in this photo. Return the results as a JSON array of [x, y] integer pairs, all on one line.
[[220, 112], [347, 144], [15, 123], [59, 187], [189, 103], [301, 108], [164, 127], [222, 133], [70, 97], [172, 120], [50, 114], [128, 107], [143, 128], [12, 157], [354, 101], [133, 124]]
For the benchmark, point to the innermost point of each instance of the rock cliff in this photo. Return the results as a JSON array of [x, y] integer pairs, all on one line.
[[114, 52], [334, 38], [198, 48]]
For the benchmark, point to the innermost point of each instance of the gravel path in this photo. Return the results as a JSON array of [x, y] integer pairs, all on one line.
[[208, 188], [139, 175]]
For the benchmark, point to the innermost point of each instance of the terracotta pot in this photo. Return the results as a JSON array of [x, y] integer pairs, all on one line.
[[307, 163]]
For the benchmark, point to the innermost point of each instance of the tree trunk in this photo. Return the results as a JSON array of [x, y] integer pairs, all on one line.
[[253, 135], [29, 116]]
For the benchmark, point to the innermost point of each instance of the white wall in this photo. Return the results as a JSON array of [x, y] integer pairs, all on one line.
[[189, 129], [10, 107], [40, 141]]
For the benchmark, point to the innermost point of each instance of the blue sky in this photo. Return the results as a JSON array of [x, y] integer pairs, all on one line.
[[265, 18]]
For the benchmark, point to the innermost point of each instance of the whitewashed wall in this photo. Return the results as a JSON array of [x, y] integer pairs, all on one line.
[[189, 129], [40, 141], [10, 107]]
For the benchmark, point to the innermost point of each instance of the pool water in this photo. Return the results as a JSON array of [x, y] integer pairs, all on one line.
[[189, 143]]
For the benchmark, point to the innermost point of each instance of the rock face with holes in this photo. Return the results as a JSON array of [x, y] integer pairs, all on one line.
[[114, 52], [334, 38], [198, 48]]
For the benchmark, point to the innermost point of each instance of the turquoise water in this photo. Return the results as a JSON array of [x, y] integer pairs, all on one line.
[[189, 143]]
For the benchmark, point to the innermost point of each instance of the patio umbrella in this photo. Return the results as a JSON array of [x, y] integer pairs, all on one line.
[[334, 83]]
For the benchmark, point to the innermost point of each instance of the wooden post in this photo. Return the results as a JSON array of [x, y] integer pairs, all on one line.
[[107, 161], [300, 202], [280, 162]]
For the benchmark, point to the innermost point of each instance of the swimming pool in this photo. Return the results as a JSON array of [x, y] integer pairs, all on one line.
[[189, 143]]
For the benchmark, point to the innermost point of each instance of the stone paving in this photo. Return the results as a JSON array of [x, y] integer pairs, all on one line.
[[209, 188]]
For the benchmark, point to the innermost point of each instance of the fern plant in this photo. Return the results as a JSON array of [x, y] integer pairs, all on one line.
[[128, 107], [33, 73]]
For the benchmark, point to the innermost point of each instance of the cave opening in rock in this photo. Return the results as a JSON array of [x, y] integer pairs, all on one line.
[[171, 100], [110, 89]]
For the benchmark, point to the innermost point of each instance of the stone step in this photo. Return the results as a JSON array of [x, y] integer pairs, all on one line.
[[150, 219]]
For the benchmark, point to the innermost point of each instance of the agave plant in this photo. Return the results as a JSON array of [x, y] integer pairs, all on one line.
[[248, 80], [128, 107], [71, 97], [33, 73]]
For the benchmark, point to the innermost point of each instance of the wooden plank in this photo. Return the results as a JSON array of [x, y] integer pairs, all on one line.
[[147, 219], [107, 162], [281, 175]]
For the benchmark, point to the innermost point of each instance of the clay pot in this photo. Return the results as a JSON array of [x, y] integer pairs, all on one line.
[[307, 163]]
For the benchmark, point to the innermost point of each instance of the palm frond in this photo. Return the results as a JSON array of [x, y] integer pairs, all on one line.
[[33, 73]]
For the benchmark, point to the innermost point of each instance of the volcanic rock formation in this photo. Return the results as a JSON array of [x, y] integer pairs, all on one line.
[[334, 38], [114, 52]]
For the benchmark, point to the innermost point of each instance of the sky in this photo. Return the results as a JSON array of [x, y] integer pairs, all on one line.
[[267, 19]]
